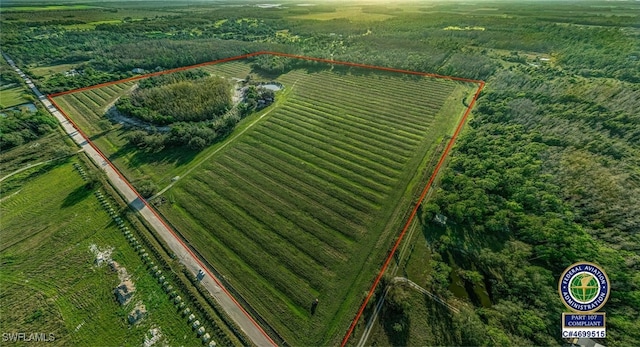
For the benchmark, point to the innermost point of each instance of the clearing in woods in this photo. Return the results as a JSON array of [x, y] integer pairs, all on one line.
[[306, 202]]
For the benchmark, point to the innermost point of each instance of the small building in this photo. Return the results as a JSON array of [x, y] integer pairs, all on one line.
[[138, 70]]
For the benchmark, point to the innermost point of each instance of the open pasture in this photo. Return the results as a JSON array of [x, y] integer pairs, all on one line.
[[305, 203]]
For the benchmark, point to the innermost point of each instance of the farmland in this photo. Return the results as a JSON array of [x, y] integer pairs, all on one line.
[[303, 204], [545, 173]]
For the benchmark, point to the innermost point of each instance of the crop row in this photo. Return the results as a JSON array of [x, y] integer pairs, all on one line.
[[79, 103], [327, 153], [361, 109], [89, 103], [95, 97], [277, 235], [291, 221], [313, 156], [345, 150], [364, 145], [200, 230], [324, 170], [399, 88], [323, 180], [305, 198], [230, 228], [411, 117], [306, 204], [99, 92], [366, 125], [230, 69], [419, 100], [391, 89]]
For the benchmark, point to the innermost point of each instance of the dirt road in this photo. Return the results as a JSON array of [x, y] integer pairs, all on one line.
[[190, 260]]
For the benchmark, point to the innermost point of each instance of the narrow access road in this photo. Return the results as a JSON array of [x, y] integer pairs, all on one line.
[[187, 257]]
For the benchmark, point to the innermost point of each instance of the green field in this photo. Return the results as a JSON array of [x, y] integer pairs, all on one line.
[[50, 283], [305, 203], [47, 71], [354, 13], [13, 96], [47, 8]]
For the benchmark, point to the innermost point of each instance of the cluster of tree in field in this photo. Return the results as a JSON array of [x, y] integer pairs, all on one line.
[[256, 97], [193, 135], [538, 183], [197, 108], [18, 127], [203, 99], [193, 103]]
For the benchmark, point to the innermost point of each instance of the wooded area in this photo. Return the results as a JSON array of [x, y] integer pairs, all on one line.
[[546, 173]]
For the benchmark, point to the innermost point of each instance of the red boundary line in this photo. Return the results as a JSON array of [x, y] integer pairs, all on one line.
[[144, 201], [444, 155], [381, 68]]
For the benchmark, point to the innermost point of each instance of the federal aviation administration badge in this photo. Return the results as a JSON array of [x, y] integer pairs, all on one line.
[[584, 288]]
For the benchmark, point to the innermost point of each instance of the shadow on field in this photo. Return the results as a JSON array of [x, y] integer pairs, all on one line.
[[177, 156], [76, 196]]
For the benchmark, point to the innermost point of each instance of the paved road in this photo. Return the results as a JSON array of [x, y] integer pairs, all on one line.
[[222, 296]]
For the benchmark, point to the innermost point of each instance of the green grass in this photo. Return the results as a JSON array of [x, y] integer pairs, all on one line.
[[47, 71], [317, 190], [48, 277], [13, 96], [304, 204], [91, 25], [47, 147], [353, 13], [48, 8]]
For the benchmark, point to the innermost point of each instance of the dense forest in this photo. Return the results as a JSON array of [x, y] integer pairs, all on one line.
[[546, 173], [185, 101], [547, 176]]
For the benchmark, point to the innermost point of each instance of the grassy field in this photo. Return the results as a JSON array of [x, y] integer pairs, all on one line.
[[46, 71], [305, 203], [352, 13], [49, 280], [48, 8], [13, 96], [317, 191]]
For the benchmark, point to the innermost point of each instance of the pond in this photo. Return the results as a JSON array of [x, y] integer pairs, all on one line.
[[272, 86], [30, 107]]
